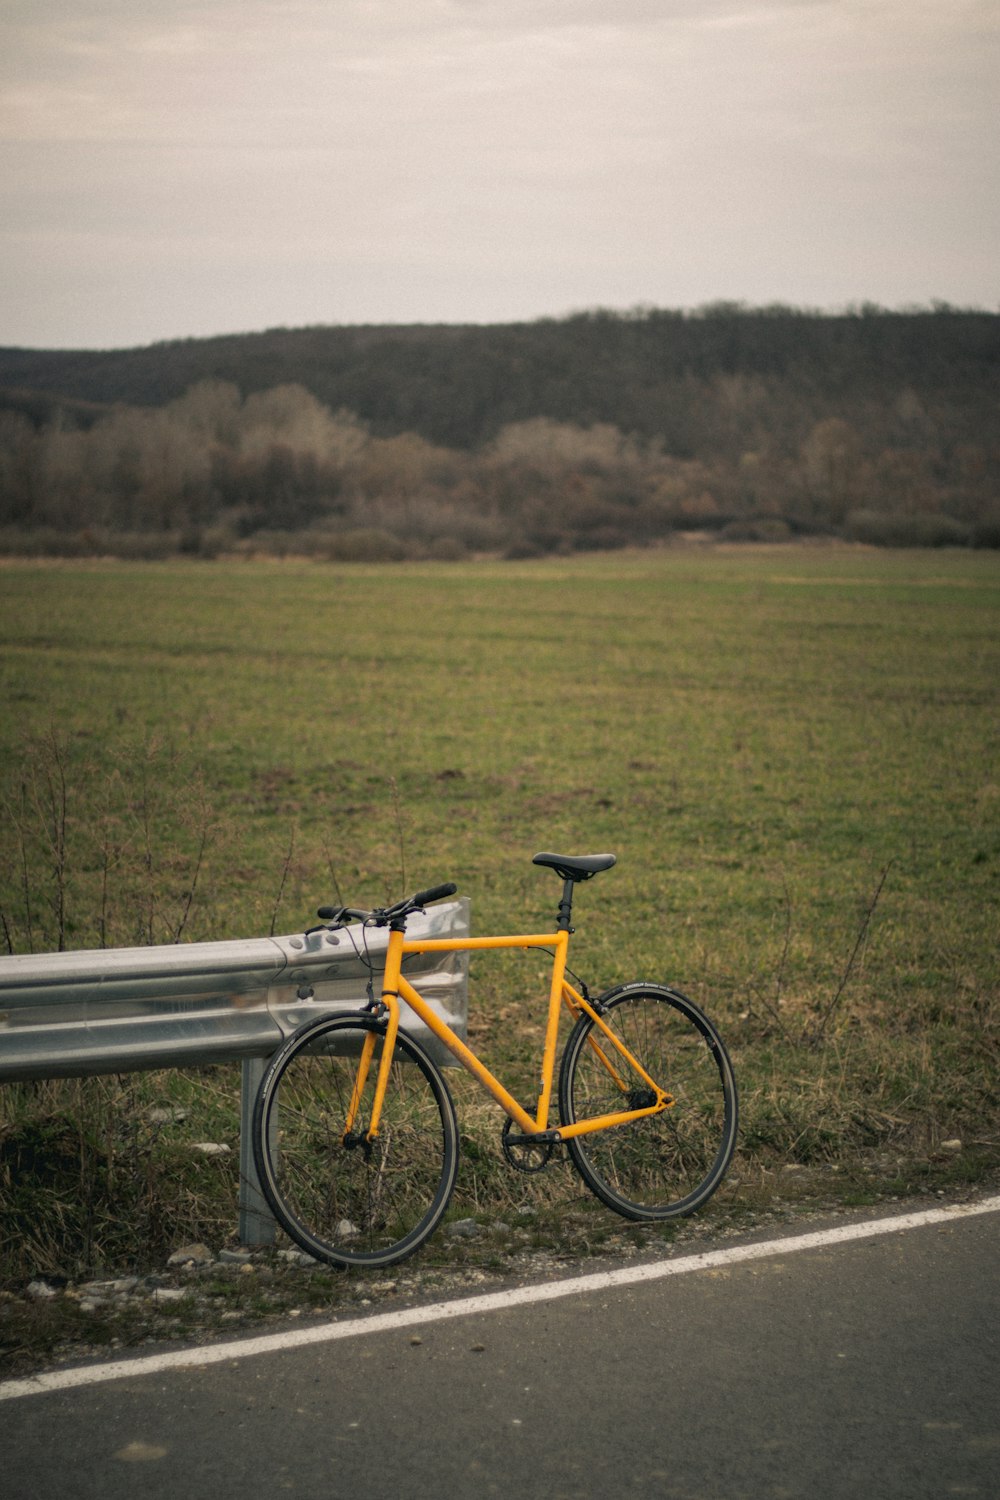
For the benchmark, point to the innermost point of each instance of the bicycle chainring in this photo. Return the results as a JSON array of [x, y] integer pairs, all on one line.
[[523, 1153]]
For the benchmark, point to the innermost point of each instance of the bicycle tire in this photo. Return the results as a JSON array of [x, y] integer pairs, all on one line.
[[345, 1200], [667, 1165]]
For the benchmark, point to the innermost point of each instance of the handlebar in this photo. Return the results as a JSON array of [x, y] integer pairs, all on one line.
[[381, 916], [435, 893]]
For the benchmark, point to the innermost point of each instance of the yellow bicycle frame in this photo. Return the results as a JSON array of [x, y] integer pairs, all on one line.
[[398, 988]]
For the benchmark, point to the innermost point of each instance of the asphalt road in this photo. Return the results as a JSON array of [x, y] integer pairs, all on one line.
[[862, 1369]]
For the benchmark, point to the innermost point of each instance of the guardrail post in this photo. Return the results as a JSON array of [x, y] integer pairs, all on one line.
[[257, 1227]]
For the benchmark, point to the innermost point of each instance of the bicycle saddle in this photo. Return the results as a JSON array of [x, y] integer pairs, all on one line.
[[575, 866]]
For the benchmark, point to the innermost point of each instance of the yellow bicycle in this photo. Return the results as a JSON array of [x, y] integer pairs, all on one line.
[[355, 1135]]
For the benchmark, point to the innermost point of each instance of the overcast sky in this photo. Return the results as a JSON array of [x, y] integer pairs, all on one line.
[[175, 168]]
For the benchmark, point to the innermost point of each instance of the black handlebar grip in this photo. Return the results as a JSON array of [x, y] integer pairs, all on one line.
[[326, 913], [436, 893]]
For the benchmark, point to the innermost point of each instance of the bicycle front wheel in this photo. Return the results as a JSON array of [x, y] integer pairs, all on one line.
[[666, 1165], [342, 1198]]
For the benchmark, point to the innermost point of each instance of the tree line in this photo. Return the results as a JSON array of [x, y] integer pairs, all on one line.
[[597, 431]]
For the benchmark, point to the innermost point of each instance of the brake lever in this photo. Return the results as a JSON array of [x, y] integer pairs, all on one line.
[[324, 927]]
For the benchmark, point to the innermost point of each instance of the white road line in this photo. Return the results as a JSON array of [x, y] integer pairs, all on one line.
[[598, 1281]]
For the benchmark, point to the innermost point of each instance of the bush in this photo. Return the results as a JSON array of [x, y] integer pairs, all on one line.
[[44, 541], [757, 529], [139, 546], [364, 544], [987, 534], [447, 549], [51, 541], [890, 529], [207, 541]]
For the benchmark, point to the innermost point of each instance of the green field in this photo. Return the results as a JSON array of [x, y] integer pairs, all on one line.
[[792, 751]]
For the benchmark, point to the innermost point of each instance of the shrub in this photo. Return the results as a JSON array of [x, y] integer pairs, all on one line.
[[365, 544], [757, 529], [44, 541], [987, 533], [890, 529]]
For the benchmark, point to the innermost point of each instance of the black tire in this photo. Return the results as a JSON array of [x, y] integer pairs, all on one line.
[[666, 1165], [351, 1202]]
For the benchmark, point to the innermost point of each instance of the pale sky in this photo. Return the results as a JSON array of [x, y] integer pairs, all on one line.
[[175, 168]]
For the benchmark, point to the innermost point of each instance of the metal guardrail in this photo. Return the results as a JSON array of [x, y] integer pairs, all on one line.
[[123, 1010]]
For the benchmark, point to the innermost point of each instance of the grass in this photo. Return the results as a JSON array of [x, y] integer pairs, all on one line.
[[793, 752]]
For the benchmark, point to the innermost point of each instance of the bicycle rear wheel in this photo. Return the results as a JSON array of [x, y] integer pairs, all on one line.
[[342, 1198], [666, 1165]]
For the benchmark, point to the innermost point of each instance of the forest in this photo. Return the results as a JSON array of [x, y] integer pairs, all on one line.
[[595, 431]]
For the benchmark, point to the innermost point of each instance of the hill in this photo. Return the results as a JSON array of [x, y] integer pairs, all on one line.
[[458, 385], [604, 426]]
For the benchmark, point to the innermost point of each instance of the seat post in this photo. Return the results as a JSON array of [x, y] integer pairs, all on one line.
[[566, 906]]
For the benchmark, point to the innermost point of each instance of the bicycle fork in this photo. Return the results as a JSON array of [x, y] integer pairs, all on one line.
[[389, 1000]]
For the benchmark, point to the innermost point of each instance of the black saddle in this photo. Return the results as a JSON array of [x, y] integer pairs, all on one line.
[[576, 866]]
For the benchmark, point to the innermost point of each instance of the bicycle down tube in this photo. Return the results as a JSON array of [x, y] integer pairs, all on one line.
[[397, 988]]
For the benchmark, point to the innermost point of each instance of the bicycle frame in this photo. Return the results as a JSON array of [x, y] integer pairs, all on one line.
[[397, 988]]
